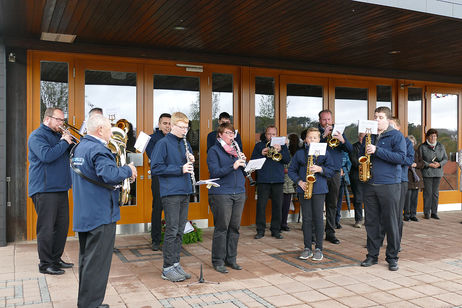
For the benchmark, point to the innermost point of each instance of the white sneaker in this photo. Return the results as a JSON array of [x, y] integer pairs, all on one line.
[[172, 274], [317, 256], [181, 271], [307, 253]]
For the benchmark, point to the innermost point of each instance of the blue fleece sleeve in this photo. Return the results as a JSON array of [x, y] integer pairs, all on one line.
[[409, 153], [160, 164], [216, 168], [107, 170], [44, 151], [294, 167], [397, 153]]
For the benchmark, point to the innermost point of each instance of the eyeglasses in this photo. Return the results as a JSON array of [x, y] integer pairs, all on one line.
[[182, 127], [229, 133], [58, 119]]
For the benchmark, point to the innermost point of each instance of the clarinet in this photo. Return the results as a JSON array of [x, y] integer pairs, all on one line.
[[240, 155], [193, 177]]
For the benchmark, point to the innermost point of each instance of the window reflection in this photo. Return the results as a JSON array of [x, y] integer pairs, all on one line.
[[414, 113], [115, 93], [54, 88], [444, 113], [350, 107], [264, 104], [180, 93], [304, 102], [222, 96], [384, 96]]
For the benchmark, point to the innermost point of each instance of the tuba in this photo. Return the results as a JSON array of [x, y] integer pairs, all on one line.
[[118, 146], [273, 153], [310, 178], [365, 161]]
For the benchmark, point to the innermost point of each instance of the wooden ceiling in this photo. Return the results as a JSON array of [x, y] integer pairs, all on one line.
[[330, 36]]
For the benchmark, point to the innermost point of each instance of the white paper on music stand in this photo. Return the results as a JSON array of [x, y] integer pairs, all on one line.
[[278, 140], [142, 141], [338, 128], [209, 182], [255, 164], [83, 128], [317, 148], [188, 227], [367, 124]]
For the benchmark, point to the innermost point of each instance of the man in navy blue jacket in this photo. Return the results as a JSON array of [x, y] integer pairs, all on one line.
[[156, 214], [382, 191], [224, 117], [96, 208], [336, 154], [49, 182], [270, 180], [169, 163]]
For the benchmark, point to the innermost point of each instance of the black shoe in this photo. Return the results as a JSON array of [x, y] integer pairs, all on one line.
[[333, 240], [406, 218], [338, 226], [286, 228], [155, 246], [414, 218], [393, 265], [220, 268], [435, 216], [427, 216], [234, 266], [52, 270], [103, 306], [259, 236], [278, 236], [62, 264], [369, 262]]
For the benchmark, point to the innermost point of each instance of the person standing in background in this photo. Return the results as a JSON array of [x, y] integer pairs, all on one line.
[[289, 186], [414, 184], [355, 183]]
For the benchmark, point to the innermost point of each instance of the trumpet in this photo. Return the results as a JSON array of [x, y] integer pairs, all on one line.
[[273, 153], [240, 155], [365, 161], [331, 141], [193, 177], [66, 129], [310, 178]]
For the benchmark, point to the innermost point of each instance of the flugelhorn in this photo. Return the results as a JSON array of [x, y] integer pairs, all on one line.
[[331, 141], [240, 155], [273, 153]]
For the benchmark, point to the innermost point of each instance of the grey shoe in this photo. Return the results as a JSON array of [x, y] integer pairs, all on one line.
[[317, 256], [181, 271], [307, 253], [172, 275], [357, 224]]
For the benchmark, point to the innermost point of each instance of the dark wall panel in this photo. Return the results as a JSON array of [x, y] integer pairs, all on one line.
[[3, 185]]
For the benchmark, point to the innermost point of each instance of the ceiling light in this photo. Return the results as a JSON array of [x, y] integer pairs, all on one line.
[[58, 37], [179, 28], [394, 52]]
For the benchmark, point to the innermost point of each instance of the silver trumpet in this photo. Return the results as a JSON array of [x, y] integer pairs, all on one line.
[[193, 177], [240, 155]]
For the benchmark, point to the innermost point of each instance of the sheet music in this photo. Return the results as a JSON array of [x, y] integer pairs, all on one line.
[[142, 141], [255, 164], [367, 124], [338, 128], [317, 148], [278, 140], [209, 182]]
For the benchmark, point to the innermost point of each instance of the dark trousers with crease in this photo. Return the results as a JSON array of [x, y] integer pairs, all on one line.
[[410, 206], [431, 194], [266, 191], [52, 226], [333, 184], [381, 209], [402, 201], [156, 214], [312, 219], [227, 213], [356, 188], [95, 256]]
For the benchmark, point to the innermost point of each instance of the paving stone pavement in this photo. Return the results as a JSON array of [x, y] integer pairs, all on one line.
[[430, 273]]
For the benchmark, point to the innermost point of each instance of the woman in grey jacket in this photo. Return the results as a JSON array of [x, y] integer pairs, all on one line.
[[434, 157]]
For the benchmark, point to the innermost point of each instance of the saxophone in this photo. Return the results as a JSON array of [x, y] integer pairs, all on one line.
[[365, 162], [310, 178]]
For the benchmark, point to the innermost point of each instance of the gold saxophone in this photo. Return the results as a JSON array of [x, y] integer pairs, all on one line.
[[310, 179], [365, 162]]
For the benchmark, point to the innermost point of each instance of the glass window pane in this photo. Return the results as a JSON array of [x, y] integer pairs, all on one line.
[[180, 93], [115, 93], [304, 102], [222, 96], [384, 96], [264, 104], [350, 107], [54, 87], [414, 113], [444, 114]]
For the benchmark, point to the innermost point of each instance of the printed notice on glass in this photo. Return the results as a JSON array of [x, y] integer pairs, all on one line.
[[317, 149], [367, 126]]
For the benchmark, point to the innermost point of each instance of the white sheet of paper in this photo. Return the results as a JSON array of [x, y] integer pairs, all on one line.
[[142, 141], [188, 227], [367, 124], [278, 140], [83, 128], [339, 127], [255, 164], [209, 181], [317, 148]]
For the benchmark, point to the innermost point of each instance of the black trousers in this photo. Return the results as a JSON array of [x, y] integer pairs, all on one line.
[[410, 206], [285, 209], [402, 201], [52, 226], [333, 184], [266, 191], [381, 209], [156, 214], [312, 219], [431, 194], [356, 187], [95, 256]]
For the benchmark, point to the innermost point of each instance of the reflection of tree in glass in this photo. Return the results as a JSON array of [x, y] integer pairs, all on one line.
[[53, 94], [415, 130], [265, 116], [298, 124], [351, 132]]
